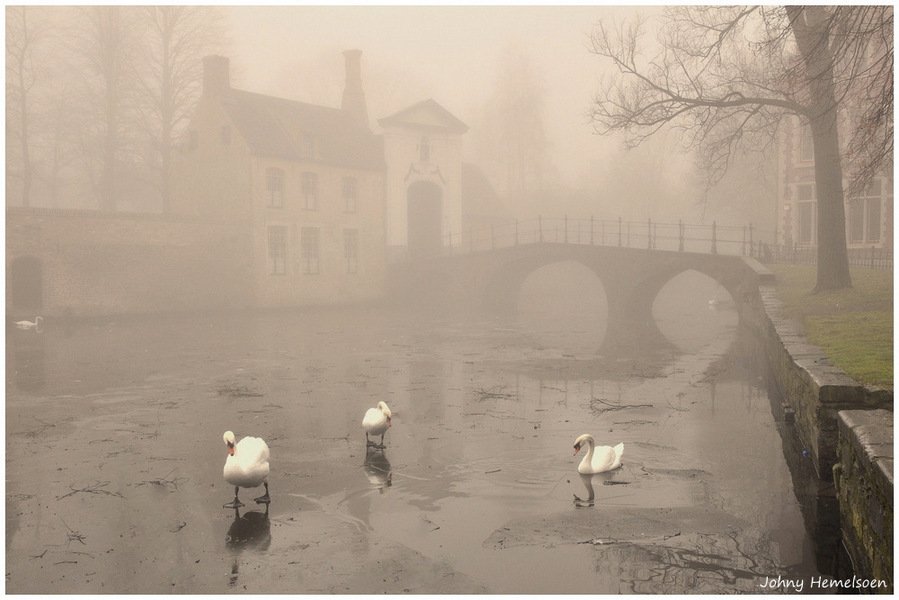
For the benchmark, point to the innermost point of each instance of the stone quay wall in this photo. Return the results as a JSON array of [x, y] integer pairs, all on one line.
[[845, 427], [863, 477]]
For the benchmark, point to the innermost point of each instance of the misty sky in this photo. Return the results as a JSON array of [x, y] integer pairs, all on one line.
[[449, 53]]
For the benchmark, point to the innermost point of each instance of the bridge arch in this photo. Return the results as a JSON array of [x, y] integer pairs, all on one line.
[[632, 279], [547, 310], [645, 292]]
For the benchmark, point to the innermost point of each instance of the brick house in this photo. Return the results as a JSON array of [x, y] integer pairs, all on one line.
[[869, 213]]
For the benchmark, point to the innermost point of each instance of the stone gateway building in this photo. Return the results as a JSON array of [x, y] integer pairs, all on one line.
[[277, 203]]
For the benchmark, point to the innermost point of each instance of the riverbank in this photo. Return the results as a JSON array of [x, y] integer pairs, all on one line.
[[831, 356], [854, 327]]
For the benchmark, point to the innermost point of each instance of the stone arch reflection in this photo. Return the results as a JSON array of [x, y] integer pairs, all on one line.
[[564, 306], [692, 310]]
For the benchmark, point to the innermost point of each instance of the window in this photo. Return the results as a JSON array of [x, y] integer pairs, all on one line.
[[864, 214], [873, 220], [351, 249], [807, 207], [274, 186], [856, 221], [424, 150], [806, 146], [226, 136], [310, 191], [805, 192], [192, 140], [307, 146], [349, 194], [277, 249], [309, 243]]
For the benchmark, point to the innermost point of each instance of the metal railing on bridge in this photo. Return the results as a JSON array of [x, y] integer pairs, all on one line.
[[648, 234], [741, 240]]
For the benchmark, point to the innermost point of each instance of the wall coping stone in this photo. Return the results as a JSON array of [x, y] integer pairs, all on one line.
[[763, 274], [871, 432]]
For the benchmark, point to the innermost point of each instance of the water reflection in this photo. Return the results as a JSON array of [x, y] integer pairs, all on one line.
[[252, 530], [591, 495], [607, 478], [483, 412], [26, 361], [689, 563], [377, 468], [546, 305], [686, 319]]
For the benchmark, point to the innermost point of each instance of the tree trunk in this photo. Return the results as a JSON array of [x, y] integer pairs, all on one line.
[[810, 27], [23, 114], [833, 257]]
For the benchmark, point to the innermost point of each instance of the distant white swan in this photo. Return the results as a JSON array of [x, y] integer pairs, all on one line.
[[599, 459], [246, 466], [37, 324], [376, 421]]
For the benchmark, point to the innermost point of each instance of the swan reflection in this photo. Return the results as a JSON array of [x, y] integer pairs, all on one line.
[[251, 530], [607, 478], [377, 468], [591, 495]]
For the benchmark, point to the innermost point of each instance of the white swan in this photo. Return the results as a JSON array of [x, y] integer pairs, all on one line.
[[246, 466], [599, 459], [37, 324], [376, 421]]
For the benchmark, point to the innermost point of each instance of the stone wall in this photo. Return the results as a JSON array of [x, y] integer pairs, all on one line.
[[864, 483], [813, 389], [844, 427], [91, 263]]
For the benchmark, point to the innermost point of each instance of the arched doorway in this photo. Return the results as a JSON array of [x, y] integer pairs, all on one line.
[[26, 283], [424, 203]]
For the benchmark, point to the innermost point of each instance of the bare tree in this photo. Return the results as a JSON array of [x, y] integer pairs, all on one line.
[[177, 37], [727, 75], [513, 143], [103, 44], [22, 36]]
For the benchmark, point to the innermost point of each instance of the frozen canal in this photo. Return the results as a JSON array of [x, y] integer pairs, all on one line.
[[115, 453]]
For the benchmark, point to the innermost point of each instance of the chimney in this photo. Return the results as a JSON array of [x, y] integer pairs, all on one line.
[[353, 96], [216, 77]]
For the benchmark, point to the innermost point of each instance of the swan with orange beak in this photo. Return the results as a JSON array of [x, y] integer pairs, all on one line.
[[246, 466]]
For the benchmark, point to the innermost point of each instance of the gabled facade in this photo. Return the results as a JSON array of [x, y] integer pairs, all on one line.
[[307, 180], [423, 156]]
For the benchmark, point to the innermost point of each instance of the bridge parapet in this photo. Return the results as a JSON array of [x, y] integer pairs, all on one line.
[[744, 240]]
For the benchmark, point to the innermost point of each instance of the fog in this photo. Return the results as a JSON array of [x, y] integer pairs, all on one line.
[[279, 221], [474, 61]]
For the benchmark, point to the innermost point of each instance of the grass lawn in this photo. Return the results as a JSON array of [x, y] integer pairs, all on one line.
[[853, 326]]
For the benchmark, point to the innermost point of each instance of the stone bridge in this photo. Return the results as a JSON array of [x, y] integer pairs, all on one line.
[[632, 278]]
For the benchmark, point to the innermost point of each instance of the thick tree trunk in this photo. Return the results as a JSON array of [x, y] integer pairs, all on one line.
[[810, 26], [833, 257]]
